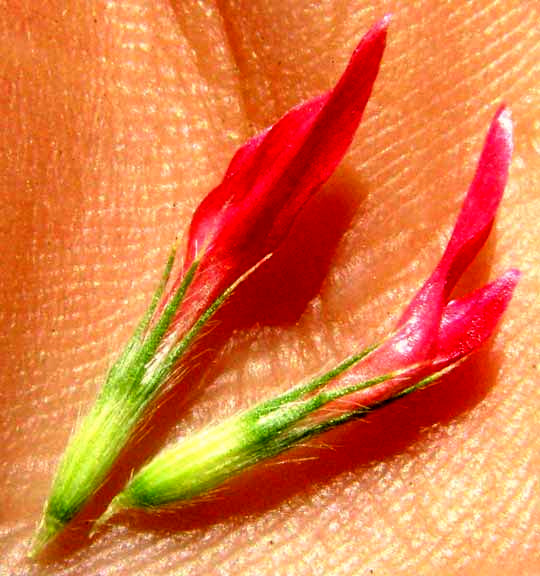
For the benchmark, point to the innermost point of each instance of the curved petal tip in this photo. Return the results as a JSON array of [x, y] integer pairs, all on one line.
[[384, 21], [502, 123]]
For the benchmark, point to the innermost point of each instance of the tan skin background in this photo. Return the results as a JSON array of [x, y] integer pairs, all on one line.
[[117, 118]]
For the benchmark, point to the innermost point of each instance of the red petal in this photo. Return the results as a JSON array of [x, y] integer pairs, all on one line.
[[300, 153], [468, 322], [334, 129], [270, 178], [481, 203], [273, 176], [421, 320], [238, 193], [203, 225]]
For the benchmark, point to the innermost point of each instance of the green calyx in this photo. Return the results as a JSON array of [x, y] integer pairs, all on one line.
[[207, 459], [202, 462], [133, 382], [108, 426], [110, 423]]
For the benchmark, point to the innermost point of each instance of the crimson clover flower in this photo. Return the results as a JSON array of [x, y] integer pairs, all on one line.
[[269, 180], [235, 228], [433, 336], [433, 333]]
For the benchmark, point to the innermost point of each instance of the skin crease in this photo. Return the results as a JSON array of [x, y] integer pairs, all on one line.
[[117, 118]]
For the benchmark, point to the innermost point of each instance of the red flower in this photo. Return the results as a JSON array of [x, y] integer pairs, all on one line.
[[246, 217], [433, 333], [237, 226]]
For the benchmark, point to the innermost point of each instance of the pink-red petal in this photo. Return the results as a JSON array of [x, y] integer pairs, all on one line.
[[420, 322], [469, 321], [270, 178], [296, 156]]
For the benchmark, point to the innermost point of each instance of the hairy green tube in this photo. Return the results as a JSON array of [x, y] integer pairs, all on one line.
[[202, 462], [137, 377]]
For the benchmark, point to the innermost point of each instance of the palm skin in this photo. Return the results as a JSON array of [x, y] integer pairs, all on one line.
[[117, 120]]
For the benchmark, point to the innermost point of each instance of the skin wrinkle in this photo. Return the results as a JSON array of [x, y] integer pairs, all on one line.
[[85, 234], [213, 56]]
